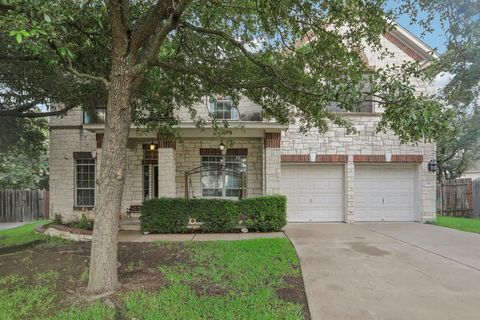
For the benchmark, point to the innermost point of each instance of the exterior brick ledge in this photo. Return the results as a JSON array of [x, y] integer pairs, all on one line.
[[396, 158]]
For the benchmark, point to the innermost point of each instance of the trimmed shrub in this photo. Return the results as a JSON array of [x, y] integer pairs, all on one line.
[[264, 213], [164, 215], [171, 215], [217, 215]]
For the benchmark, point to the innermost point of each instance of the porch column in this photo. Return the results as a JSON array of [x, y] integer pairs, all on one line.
[[349, 190], [166, 168], [272, 162]]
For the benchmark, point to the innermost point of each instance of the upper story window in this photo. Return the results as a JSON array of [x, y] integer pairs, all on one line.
[[222, 108], [96, 115], [365, 107]]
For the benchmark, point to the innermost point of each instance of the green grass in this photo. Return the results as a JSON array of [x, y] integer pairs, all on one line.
[[21, 235], [244, 275], [213, 280], [463, 224]]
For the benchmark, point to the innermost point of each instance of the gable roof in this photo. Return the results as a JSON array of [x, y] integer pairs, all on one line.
[[400, 37], [410, 44]]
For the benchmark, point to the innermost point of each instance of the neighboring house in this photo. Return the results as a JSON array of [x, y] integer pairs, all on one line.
[[326, 177]]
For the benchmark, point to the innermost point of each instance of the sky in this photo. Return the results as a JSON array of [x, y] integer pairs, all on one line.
[[435, 39]]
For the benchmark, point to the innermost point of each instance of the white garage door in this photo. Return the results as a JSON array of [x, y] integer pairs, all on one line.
[[314, 192], [384, 193]]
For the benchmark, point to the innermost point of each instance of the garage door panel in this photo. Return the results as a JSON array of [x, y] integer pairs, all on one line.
[[384, 193], [314, 192]]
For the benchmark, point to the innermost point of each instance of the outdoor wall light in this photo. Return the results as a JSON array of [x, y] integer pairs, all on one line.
[[221, 147], [152, 146], [432, 166]]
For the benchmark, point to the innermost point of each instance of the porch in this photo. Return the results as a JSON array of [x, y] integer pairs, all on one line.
[[160, 167]]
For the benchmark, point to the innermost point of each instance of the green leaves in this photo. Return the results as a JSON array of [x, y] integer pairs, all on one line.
[[19, 35], [280, 54], [47, 18]]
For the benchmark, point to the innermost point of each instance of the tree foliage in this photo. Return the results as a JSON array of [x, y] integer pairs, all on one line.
[[284, 55], [457, 149], [23, 153]]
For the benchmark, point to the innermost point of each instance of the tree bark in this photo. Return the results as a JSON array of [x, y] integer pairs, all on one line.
[[103, 262]]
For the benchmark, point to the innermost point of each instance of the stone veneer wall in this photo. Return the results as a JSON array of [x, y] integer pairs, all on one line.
[[188, 157], [63, 143], [367, 142], [245, 107]]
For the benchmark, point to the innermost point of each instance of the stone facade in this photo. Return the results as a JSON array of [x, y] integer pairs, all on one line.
[[188, 157], [266, 150]]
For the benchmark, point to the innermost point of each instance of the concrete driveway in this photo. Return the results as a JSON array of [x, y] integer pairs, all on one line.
[[388, 271]]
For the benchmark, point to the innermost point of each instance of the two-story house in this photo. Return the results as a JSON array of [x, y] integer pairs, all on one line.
[[332, 176]]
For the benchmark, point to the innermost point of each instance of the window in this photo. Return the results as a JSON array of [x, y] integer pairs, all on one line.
[[365, 107], [223, 109], [96, 115], [219, 183], [85, 182], [150, 181]]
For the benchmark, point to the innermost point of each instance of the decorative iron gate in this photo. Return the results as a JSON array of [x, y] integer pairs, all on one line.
[[214, 168]]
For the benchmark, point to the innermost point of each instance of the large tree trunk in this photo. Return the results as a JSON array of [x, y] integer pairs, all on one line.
[[103, 263]]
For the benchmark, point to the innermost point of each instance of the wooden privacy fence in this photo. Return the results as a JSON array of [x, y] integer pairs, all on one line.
[[23, 205], [459, 198], [476, 198]]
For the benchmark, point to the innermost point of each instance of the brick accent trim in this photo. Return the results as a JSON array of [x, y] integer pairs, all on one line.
[[210, 152], [82, 155], [149, 162], [294, 158], [84, 208], [396, 158], [369, 158], [408, 158], [272, 139], [403, 46], [54, 127], [167, 144], [230, 152], [237, 152], [320, 158], [99, 137], [332, 158]]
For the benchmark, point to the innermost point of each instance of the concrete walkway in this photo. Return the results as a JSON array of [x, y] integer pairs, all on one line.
[[389, 271], [10, 225], [136, 236]]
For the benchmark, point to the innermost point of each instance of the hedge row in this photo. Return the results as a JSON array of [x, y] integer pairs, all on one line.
[[171, 215]]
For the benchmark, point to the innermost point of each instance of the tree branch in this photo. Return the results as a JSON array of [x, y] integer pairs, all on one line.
[[147, 24], [16, 114], [116, 11], [86, 75], [172, 23], [212, 80], [23, 107]]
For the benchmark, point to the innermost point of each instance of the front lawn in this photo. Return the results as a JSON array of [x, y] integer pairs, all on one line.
[[463, 224], [249, 279], [21, 235]]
